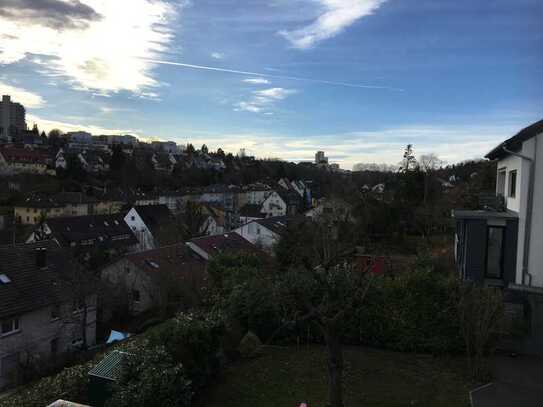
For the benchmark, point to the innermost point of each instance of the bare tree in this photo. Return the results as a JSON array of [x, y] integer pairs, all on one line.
[[428, 163], [325, 295]]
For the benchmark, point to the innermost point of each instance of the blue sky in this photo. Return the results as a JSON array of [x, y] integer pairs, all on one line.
[[357, 78]]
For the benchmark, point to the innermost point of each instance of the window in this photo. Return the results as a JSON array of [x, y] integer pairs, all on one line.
[[10, 326], [512, 183], [501, 182], [136, 295], [494, 251], [132, 218], [55, 312]]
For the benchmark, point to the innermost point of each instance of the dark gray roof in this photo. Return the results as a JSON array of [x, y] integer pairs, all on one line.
[[515, 142], [481, 214], [251, 211], [230, 243], [110, 230], [279, 224], [154, 216], [32, 287]]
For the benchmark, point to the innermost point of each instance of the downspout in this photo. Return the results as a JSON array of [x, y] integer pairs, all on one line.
[[526, 275]]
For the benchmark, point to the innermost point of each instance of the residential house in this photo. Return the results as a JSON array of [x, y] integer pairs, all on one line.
[[60, 160], [45, 308], [500, 245], [151, 224], [208, 247], [155, 278], [36, 207], [83, 233], [163, 162], [253, 194], [281, 202], [335, 209], [95, 162], [274, 205], [23, 160], [215, 219], [265, 233]]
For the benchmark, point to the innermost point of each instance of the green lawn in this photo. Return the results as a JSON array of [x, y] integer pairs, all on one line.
[[283, 377]]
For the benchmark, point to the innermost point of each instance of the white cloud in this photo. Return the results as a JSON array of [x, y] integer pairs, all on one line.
[[26, 98], [334, 17], [257, 81], [217, 55], [264, 99], [107, 53]]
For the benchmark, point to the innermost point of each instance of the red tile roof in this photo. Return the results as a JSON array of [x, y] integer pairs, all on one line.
[[23, 155]]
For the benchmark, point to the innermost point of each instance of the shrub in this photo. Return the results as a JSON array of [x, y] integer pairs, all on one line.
[[413, 312], [152, 378], [192, 339], [71, 383]]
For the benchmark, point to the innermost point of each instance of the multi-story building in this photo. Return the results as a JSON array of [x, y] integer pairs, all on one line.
[[12, 118], [320, 158], [502, 245], [32, 209], [81, 137], [23, 160]]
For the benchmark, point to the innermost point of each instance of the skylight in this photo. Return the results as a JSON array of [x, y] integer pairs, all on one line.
[[4, 279], [152, 264]]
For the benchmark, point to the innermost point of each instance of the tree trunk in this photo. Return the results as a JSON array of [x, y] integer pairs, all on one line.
[[335, 365]]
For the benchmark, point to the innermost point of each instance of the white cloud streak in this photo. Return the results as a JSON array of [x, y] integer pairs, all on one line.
[[107, 54], [266, 75], [334, 17], [26, 98], [257, 81], [217, 55], [262, 100]]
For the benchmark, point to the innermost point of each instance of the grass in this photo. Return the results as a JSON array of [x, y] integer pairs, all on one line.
[[284, 377]]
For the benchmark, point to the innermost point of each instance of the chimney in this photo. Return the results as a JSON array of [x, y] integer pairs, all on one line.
[[41, 257]]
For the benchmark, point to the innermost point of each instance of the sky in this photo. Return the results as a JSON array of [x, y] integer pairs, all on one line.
[[358, 79]]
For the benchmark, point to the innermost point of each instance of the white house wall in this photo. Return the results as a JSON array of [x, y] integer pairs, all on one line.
[[143, 234], [258, 235], [535, 265]]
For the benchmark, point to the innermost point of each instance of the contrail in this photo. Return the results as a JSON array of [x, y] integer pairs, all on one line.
[[294, 78]]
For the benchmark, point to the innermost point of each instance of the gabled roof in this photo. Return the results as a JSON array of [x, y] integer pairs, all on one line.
[[55, 201], [110, 230], [23, 155], [176, 259], [229, 243], [30, 286], [278, 224], [514, 143]]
